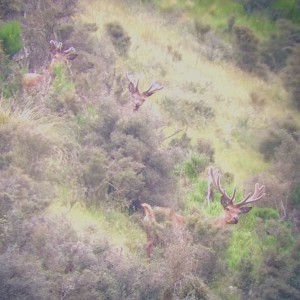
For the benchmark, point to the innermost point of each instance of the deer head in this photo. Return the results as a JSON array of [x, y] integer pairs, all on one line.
[[139, 98], [57, 56], [233, 210]]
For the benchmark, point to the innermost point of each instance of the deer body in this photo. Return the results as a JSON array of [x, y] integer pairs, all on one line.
[[31, 81], [154, 217], [232, 211], [140, 97]]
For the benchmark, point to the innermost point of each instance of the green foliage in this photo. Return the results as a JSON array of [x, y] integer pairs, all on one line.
[[10, 34], [7, 86], [63, 98], [237, 252], [120, 158], [246, 276], [288, 9], [195, 165], [266, 213], [199, 191]]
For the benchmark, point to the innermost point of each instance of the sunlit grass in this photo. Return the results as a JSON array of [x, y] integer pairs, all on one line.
[[111, 225], [5, 112]]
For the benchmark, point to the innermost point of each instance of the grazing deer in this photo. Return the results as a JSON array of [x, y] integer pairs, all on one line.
[[232, 210], [31, 81], [153, 216], [139, 98]]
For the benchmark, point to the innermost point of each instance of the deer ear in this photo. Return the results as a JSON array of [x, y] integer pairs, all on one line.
[[131, 87], [225, 201], [245, 209], [71, 56]]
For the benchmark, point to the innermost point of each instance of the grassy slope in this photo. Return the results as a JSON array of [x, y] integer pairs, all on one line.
[[228, 94], [230, 88]]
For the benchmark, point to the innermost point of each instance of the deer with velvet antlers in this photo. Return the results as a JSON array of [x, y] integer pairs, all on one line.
[[58, 56], [233, 210], [231, 214], [140, 97]]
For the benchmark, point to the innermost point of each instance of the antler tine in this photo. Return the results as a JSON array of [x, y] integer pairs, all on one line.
[[55, 46], [53, 43], [216, 178], [135, 85], [129, 79], [154, 86], [259, 192], [70, 50], [59, 46]]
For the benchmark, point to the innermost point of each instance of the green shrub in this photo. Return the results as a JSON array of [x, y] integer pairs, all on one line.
[[206, 148], [292, 75], [195, 165], [278, 48], [199, 191], [119, 38], [246, 44], [266, 213], [268, 145], [10, 34]]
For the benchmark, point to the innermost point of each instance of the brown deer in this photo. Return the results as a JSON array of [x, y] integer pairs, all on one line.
[[58, 56], [140, 98], [153, 216], [232, 210]]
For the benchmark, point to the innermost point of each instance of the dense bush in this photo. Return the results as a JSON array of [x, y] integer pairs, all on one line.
[[251, 6], [119, 38], [292, 75], [10, 34], [278, 48], [8, 8], [247, 48]]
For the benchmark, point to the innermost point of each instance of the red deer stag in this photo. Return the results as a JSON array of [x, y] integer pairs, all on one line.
[[139, 98], [154, 216], [232, 210], [58, 56]]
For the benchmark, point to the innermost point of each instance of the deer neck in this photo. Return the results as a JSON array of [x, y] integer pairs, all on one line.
[[220, 222]]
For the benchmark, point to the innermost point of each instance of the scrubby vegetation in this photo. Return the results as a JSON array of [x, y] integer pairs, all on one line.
[[75, 160]]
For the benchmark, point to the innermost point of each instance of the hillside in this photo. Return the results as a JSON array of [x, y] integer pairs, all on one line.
[[76, 161]]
